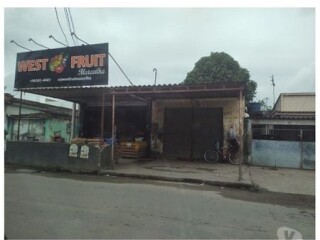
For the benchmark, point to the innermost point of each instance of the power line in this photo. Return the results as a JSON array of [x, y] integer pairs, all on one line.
[[120, 68], [69, 25], [110, 56], [73, 28], [65, 37], [79, 38]]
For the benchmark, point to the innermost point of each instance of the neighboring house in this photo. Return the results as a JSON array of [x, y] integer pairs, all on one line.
[[38, 121], [295, 103], [285, 136]]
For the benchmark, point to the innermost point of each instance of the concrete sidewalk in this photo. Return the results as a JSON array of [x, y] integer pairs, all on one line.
[[282, 180], [183, 171], [285, 180]]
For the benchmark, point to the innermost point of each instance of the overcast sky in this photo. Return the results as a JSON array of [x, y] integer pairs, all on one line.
[[266, 41]]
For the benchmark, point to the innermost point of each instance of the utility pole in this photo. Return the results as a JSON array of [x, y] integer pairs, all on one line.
[[155, 76], [273, 85], [265, 100]]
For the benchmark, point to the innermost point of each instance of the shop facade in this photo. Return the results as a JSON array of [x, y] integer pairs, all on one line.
[[174, 121], [186, 128], [171, 121]]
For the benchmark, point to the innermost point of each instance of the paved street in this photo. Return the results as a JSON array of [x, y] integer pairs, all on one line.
[[64, 205]]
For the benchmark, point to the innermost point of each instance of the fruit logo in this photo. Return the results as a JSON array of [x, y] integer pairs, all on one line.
[[58, 63]]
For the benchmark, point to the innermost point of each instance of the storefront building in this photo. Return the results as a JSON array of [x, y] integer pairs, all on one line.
[[171, 121], [176, 121]]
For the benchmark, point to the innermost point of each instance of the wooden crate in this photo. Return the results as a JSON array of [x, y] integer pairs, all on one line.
[[78, 141], [93, 141], [133, 149]]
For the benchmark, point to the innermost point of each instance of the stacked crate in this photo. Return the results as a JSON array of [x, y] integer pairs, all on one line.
[[133, 149], [93, 141]]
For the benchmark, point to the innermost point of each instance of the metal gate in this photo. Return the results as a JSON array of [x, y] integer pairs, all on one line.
[[189, 132], [291, 148]]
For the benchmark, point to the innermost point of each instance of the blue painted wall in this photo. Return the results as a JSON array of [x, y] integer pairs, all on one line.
[[283, 154], [57, 124], [42, 129], [308, 155]]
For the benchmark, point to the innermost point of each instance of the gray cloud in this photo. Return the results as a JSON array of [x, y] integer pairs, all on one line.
[[266, 41]]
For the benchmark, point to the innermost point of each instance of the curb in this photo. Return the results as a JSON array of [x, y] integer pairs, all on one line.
[[239, 185], [184, 180], [256, 186]]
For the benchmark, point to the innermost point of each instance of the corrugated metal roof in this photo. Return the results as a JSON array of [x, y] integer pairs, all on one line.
[[299, 94], [42, 115], [214, 85], [285, 116], [86, 94], [293, 115], [9, 99]]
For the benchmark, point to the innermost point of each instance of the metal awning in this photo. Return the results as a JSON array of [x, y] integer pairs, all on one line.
[[92, 95]]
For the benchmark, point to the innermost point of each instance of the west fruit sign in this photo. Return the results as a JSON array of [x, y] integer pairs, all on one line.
[[72, 66]]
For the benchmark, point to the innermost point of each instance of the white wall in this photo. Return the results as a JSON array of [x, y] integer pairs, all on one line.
[[14, 110]]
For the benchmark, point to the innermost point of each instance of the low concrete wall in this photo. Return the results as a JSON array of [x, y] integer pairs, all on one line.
[[105, 161], [55, 156], [283, 154]]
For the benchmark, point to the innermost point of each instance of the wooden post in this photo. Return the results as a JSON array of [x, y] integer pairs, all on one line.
[[301, 148], [240, 138], [73, 121], [19, 117], [249, 132], [192, 130], [113, 128], [102, 120]]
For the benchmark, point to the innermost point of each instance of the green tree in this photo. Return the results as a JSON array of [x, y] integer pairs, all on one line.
[[221, 67]]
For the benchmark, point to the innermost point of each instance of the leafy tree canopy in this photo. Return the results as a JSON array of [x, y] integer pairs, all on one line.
[[221, 67]]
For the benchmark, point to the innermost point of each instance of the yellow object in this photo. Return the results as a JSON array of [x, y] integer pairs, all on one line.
[[135, 145], [133, 149]]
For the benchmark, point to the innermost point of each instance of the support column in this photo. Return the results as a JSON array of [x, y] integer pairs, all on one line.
[[102, 120], [249, 132], [73, 121], [240, 137], [77, 121], [113, 130], [19, 117], [301, 148]]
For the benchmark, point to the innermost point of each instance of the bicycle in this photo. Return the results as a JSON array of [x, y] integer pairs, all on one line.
[[215, 154]]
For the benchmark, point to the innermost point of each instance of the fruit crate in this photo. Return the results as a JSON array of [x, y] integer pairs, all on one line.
[[93, 141], [133, 149]]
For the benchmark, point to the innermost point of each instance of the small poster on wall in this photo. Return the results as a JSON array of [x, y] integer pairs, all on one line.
[[73, 150], [84, 153]]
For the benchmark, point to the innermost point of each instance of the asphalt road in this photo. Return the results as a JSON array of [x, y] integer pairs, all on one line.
[[46, 205]]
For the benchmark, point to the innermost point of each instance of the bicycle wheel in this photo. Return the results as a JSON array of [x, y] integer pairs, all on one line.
[[211, 156], [234, 158]]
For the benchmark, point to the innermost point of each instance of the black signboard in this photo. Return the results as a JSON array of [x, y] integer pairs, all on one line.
[[72, 66]]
